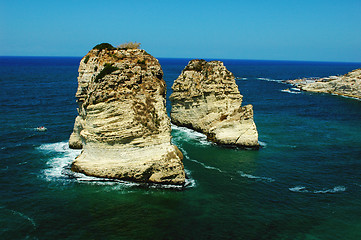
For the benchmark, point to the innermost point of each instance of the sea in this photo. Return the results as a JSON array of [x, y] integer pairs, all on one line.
[[304, 182]]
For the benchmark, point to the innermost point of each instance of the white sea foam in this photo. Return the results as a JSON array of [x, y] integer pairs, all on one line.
[[355, 98], [204, 165], [257, 178], [289, 91], [262, 144], [190, 181], [332, 190], [270, 79], [303, 189], [185, 153], [22, 163], [298, 189], [59, 169], [193, 135], [264, 79], [62, 159]]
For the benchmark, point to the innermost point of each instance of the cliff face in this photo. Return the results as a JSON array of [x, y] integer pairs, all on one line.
[[348, 85], [122, 125], [206, 98]]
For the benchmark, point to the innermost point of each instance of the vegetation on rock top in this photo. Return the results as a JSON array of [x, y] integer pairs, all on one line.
[[129, 45], [102, 46], [86, 59]]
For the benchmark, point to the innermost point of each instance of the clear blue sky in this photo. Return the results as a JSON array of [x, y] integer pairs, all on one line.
[[316, 30]]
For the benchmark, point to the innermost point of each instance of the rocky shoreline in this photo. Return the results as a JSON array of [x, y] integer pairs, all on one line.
[[348, 85]]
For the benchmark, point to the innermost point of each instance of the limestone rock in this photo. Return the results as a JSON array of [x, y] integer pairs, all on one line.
[[123, 126], [348, 85], [206, 98], [75, 139]]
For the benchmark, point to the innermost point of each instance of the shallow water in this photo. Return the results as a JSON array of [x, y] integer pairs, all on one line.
[[304, 183]]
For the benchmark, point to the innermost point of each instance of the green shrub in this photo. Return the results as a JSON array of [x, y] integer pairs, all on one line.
[[129, 45], [104, 46], [141, 61], [86, 59], [108, 69]]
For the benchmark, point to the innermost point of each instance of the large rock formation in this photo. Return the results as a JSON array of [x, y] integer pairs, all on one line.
[[348, 85], [122, 125], [206, 98]]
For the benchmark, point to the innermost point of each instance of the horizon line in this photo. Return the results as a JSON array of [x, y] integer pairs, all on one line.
[[190, 58]]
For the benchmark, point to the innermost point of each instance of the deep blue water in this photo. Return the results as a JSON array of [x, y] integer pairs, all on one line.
[[304, 183]]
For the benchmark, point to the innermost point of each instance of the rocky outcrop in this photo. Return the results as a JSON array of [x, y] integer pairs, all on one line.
[[75, 139], [123, 126], [206, 98], [348, 85]]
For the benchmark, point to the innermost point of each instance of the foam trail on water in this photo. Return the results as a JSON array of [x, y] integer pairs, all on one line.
[[257, 178], [25, 217], [332, 190], [269, 80], [204, 165], [303, 189], [298, 189], [185, 154]]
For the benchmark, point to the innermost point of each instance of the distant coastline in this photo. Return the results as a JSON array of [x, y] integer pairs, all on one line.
[[348, 85]]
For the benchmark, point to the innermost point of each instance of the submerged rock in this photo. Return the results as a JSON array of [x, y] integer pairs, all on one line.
[[206, 98], [348, 85], [123, 126]]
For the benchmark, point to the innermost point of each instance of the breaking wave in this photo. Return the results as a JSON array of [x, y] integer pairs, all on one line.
[[191, 135], [61, 157]]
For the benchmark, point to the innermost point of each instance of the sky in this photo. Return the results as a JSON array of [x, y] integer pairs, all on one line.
[[306, 30]]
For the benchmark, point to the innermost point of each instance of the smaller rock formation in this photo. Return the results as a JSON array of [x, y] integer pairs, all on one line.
[[123, 127], [348, 85], [206, 98]]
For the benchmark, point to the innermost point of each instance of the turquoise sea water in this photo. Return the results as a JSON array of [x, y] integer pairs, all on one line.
[[304, 183]]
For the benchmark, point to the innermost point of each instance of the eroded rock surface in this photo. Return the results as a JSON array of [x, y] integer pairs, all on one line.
[[122, 125], [206, 98], [348, 85]]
